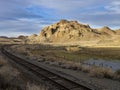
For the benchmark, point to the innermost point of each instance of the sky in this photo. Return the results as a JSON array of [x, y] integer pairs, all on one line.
[[26, 17]]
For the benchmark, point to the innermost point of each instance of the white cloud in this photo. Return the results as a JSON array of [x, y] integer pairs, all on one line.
[[114, 7], [16, 19], [67, 5], [20, 26], [14, 34]]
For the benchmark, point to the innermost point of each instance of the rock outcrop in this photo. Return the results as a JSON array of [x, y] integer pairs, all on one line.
[[118, 31], [71, 31], [106, 31], [66, 31]]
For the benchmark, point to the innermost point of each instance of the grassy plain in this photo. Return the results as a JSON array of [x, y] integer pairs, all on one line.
[[83, 53], [69, 58]]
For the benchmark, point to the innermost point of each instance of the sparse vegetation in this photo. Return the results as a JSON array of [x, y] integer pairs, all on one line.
[[85, 69], [67, 59], [6, 40], [12, 79], [101, 72], [36, 87], [117, 72], [117, 75]]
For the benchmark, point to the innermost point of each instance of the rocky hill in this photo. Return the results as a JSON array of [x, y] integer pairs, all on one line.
[[118, 31], [3, 37], [22, 37], [73, 32]]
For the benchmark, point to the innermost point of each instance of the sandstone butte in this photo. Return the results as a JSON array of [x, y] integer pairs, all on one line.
[[67, 32]]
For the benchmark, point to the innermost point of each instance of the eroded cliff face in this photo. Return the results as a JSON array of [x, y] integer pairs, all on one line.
[[71, 31]]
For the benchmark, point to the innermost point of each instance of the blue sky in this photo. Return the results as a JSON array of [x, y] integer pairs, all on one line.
[[25, 17]]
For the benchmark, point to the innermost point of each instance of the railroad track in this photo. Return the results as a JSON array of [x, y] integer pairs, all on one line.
[[61, 82]]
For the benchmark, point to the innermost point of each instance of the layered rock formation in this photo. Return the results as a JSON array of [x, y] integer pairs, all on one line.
[[72, 32]]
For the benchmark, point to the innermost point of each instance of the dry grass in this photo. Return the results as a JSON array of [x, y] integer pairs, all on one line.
[[93, 71], [11, 79], [73, 65], [36, 87], [72, 49], [101, 72], [84, 53], [69, 60], [85, 69], [117, 75], [117, 72], [2, 61]]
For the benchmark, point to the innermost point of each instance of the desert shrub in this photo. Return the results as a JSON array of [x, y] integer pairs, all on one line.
[[117, 75], [76, 66], [72, 48], [9, 77], [47, 62], [4, 85], [101, 72], [2, 62], [36, 87], [117, 72], [85, 69], [96, 73], [108, 73], [41, 60], [60, 63], [71, 65]]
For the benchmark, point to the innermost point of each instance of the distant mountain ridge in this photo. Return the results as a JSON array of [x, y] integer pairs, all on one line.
[[66, 31], [3, 37]]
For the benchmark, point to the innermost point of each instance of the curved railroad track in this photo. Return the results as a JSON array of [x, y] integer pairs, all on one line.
[[61, 82]]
